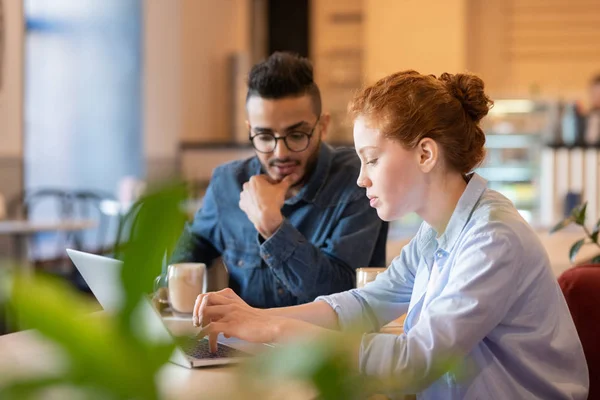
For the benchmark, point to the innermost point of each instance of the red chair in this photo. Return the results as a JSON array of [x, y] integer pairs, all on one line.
[[581, 288]]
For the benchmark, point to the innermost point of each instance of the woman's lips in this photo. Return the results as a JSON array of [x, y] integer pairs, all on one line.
[[373, 201]]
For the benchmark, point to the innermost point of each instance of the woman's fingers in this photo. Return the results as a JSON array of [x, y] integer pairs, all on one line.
[[229, 293], [212, 330], [212, 342], [205, 300], [195, 313], [215, 313], [222, 297]]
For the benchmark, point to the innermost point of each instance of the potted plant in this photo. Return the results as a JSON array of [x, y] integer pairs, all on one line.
[[577, 216]]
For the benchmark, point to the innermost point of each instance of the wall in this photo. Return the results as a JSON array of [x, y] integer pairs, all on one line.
[[526, 48], [428, 36], [11, 101], [162, 83], [211, 32], [337, 52], [11, 109]]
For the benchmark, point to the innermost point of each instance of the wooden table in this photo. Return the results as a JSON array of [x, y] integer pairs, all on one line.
[[21, 230], [28, 354]]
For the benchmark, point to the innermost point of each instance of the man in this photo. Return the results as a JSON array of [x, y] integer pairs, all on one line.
[[290, 222], [592, 132], [595, 93]]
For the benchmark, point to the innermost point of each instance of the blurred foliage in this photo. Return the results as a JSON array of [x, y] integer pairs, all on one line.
[[106, 357], [578, 216]]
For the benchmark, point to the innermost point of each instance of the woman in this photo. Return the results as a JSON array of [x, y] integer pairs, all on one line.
[[475, 281]]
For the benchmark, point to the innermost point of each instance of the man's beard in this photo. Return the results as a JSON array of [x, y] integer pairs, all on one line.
[[311, 163]]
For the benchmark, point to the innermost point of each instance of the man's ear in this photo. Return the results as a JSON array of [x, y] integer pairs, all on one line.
[[324, 124], [428, 153]]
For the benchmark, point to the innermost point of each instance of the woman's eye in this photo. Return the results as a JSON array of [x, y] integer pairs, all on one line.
[[372, 162]]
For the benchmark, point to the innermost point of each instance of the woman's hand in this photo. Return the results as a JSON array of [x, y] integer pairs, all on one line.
[[225, 312]]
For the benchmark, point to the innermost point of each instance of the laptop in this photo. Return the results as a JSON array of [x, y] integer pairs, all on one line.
[[103, 276]]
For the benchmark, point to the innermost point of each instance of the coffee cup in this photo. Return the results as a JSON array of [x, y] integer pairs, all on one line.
[[366, 275], [185, 281]]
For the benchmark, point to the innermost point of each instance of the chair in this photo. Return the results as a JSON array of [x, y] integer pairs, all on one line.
[[581, 287], [21, 206], [49, 201], [127, 225], [100, 206]]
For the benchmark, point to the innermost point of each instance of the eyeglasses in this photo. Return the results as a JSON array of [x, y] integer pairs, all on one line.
[[295, 141]]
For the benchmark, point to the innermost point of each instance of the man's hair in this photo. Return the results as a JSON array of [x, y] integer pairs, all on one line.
[[595, 80], [283, 75]]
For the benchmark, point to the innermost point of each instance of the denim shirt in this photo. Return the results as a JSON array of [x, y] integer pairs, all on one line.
[[329, 230], [496, 325]]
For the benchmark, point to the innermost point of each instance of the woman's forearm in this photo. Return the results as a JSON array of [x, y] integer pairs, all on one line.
[[317, 313]]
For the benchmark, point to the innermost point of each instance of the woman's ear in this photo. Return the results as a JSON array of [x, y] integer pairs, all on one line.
[[428, 153]]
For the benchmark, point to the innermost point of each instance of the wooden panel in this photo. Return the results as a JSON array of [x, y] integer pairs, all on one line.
[[211, 32], [532, 48], [554, 29]]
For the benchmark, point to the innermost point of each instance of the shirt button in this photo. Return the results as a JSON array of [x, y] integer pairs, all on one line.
[[240, 263], [280, 291], [267, 255], [439, 254]]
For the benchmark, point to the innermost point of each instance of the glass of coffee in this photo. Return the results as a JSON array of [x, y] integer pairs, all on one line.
[[366, 275], [185, 281]]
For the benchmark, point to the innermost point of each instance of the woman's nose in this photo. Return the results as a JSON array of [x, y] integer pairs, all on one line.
[[362, 180]]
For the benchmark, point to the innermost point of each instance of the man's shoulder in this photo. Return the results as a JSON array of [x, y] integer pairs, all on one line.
[[344, 158], [340, 185]]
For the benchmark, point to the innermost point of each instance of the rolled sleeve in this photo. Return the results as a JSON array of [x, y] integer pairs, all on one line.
[[277, 249], [347, 307]]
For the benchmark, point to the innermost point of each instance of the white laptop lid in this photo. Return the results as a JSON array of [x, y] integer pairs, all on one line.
[[103, 277]]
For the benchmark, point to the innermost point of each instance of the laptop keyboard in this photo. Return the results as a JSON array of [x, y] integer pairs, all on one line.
[[200, 349]]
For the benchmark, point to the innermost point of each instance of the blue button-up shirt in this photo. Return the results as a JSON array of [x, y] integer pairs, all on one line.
[[329, 230], [496, 325]]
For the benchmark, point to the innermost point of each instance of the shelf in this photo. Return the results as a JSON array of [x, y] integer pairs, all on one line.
[[506, 174], [513, 141]]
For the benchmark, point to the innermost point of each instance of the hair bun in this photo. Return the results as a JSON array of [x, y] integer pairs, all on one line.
[[469, 90]]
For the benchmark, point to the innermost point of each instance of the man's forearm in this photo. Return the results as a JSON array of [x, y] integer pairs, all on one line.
[[317, 313]]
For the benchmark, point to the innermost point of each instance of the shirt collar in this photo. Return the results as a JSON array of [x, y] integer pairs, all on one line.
[[462, 213]]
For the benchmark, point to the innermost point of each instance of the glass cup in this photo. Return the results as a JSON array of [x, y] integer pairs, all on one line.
[[185, 281], [366, 275]]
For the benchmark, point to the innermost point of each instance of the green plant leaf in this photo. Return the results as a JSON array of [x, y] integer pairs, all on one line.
[[578, 213], [565, 222], [594, 236], [158, 224], [575, 249], [105, 354], [99, 354]]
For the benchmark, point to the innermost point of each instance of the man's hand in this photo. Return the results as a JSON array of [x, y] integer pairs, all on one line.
[[262, 200]]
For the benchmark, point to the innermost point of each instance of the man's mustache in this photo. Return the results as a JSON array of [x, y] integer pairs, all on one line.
[[276, 161]]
